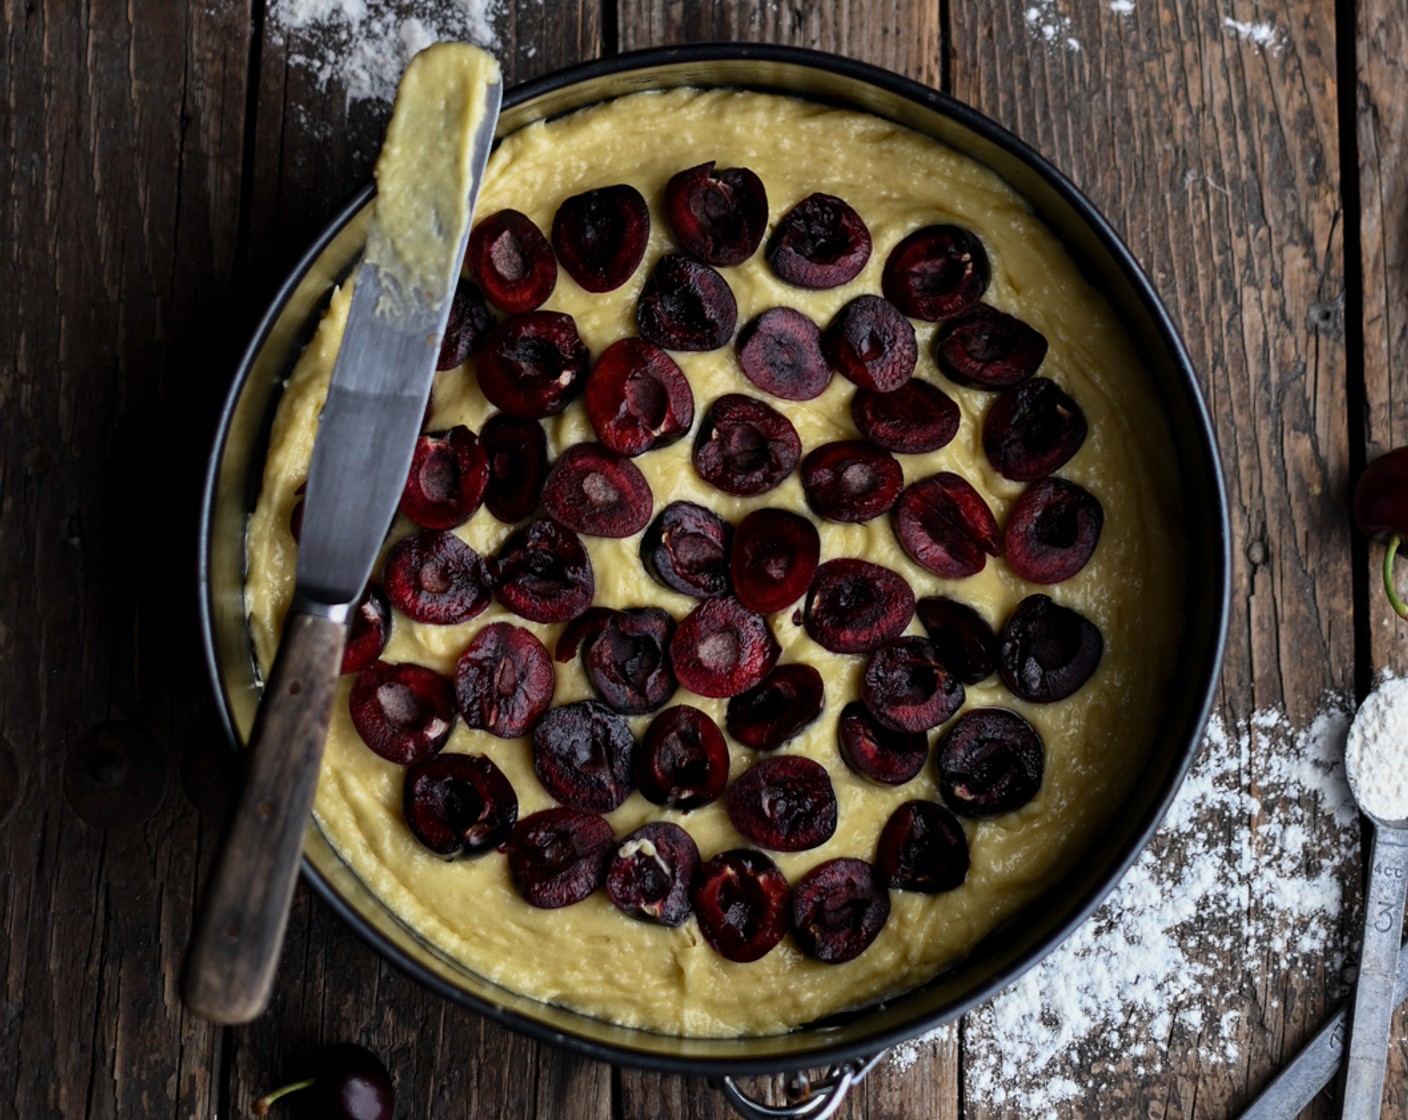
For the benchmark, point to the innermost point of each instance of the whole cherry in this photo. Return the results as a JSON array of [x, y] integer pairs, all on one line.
[[349, 1083], [1381, 511]]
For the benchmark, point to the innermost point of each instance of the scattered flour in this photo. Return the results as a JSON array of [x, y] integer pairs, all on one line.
[[1378, 752], [1046, 18], [1262, 34], [1224, 892]]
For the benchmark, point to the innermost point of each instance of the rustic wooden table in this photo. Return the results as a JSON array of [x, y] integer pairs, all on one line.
[[166, 162]]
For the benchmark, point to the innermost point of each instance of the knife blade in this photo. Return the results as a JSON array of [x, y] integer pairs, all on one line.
[[428, 177]]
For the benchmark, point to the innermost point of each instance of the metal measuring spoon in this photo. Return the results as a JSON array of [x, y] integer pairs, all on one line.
[[1376, 764]]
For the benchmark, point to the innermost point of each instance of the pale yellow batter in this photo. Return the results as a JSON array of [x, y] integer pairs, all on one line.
[[590, 956]]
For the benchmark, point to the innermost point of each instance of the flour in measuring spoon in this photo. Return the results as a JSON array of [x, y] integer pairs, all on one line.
[[1376, 757]]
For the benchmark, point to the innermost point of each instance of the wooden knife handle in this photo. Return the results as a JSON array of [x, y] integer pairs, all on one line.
[[234, 951]]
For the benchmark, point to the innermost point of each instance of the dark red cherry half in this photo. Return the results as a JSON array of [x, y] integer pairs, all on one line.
[[1380, 504], [740, 901], [774, 558], [686, 305], [936, 273], [820, 243], [582, 756], [988, 349], [780, 353], [504, 680], [467, 327], [907, 689], [517, 450], [879, 753], [687, 548], [945, 526], [581, 632], [722, 648], [403, 712], [856, 606], [512, 261], [745, 446], [447, 480], [559, 856], [683, 760], [1032, 430], [990, 762], [545, 574], [628, 661], [459, 804], [600, 236], [963, 641], [851, 481], [637, 398], [838, 908], [784, 803], [1052, 530], [593, 490], [916, 418], [653, 872], [789, 699], [368, 630], [717, 216], [533, 364], [436, 578], [922, 848], [872, 344], [1048, 651]]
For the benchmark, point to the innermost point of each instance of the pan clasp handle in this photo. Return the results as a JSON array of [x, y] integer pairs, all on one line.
[[807, 1100]]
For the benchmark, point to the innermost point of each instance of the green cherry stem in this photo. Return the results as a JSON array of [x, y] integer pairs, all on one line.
[[261, 1106], [1389, 554]]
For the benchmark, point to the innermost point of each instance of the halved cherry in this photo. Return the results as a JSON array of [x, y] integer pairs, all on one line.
[[717, 216], [582, 756], [593, 490], [988, 349], [512, 261], [683, 760], [936, 273], [990, 762], [504, 680], [962, 638], [856, 606], [559, 856], [447, 480], [686, 305], [637, 398], [628, 661], [740, 901], [872, 344], [517, 450], [402, 712], [789, 699], [368, 631], [436, 578], [1048, 651], [820, 243], [652, 874], [745, 446], [784, 803], [545, 574], [1052, 530], [839, 907], [467, 327], [922, 848], [907, 689], [600, 236], [581, 632], [1032, 430], [916, 418], [851, 481], [774, 558], [532, 365], [722, 648], [459, 804], [945, 526], [780, 353], [879, 753], [687, 548]]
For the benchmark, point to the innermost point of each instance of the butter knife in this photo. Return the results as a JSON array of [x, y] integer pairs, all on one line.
[[428, 176]]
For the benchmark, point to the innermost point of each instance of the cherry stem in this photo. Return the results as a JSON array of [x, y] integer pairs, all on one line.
[[261, 1106], [1389, 555]]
